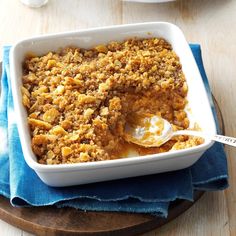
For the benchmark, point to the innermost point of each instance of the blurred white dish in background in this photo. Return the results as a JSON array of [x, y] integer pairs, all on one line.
[[149, 1], [34, 3]]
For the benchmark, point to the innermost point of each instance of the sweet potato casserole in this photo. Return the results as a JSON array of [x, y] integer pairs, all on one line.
[[78, 100]]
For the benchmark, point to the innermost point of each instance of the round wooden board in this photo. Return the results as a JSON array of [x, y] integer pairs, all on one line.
[[68, 221]]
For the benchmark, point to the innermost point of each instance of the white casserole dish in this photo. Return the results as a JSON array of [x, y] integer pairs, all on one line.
[[82, 173]]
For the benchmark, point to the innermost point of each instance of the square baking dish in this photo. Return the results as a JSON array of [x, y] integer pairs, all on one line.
[[82, 173]]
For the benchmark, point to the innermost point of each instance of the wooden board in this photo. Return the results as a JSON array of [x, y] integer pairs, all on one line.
[[68, 221]]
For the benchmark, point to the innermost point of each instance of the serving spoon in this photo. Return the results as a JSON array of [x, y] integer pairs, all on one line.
[[152, 131]]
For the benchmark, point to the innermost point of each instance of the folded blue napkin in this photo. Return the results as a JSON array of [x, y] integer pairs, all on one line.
[[145, 194]]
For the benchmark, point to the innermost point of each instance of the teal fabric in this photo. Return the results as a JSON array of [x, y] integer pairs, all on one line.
[[145, 194]]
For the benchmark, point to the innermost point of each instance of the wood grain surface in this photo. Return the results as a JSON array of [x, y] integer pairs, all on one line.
[[208, 22]]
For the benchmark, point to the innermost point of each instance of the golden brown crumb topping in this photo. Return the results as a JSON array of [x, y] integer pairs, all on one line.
[[78, 100]]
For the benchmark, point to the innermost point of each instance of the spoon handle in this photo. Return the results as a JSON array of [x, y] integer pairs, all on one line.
[[225, 139], [219, 138]]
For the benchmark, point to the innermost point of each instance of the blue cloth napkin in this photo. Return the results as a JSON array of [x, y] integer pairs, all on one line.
[[146, 194]]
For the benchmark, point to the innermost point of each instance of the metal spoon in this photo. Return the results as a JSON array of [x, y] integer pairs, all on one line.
[[153, 131]]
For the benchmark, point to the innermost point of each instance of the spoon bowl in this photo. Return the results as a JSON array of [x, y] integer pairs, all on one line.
[[150, 130]]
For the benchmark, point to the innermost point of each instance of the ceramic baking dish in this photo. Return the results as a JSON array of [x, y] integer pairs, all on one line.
[[82, 173]]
